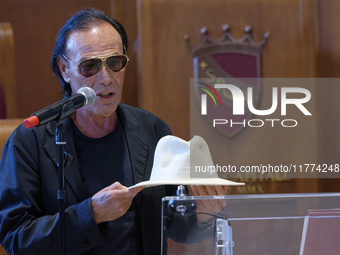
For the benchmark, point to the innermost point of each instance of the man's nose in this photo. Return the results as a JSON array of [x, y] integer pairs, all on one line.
[[104, 75]]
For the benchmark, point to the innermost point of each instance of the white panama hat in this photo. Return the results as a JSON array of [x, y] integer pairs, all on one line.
[[178, 162]]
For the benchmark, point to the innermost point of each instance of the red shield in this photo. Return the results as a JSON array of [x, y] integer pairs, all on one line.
[[228, 61]]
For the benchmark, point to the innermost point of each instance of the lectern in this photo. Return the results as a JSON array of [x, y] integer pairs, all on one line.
[[302, 224]]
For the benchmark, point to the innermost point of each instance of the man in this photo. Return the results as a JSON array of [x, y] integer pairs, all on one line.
[[109, 147]]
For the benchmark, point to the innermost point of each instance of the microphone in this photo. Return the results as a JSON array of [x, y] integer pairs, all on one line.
[[62, 109]]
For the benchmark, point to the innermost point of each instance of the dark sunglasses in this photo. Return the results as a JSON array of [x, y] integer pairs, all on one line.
[[90, 66]]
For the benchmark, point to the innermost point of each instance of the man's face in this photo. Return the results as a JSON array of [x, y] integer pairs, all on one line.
[[101, 40]]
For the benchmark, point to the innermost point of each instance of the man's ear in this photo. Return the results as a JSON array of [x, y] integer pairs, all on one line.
[[63, 68]]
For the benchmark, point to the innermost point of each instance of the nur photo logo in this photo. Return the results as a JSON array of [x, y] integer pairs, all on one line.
[[231, 106]]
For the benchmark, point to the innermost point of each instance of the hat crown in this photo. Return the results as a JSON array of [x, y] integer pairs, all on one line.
[[176, 162], [176, 158]]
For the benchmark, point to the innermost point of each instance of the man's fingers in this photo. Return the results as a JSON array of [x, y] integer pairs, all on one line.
[[201, 190], [211, 190], [112, 202], [193, 191], [221, 190], [117, 186], [136, 190]]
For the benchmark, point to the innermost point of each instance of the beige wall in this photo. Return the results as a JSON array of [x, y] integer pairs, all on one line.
[[35, 24]]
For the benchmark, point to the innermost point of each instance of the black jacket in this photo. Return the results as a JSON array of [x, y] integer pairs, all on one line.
[[29, 181]]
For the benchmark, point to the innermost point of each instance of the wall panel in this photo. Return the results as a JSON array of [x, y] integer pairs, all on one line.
[[35, 24], [165, 68]]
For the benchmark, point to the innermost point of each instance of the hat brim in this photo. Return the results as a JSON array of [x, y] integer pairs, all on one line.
[[192, 181]]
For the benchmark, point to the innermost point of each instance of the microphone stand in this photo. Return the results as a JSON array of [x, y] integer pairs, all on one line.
[[60, 141], [61, 193]]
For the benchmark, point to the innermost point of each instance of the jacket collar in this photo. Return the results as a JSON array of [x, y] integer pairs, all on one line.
[[136, 140]]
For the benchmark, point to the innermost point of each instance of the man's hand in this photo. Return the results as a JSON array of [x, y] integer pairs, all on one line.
[[210, 206], [112, 202]]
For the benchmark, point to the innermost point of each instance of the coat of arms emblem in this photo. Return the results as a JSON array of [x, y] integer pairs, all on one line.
[[225, 60]]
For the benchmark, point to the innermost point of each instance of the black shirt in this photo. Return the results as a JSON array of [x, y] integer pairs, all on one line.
[[102, 162]]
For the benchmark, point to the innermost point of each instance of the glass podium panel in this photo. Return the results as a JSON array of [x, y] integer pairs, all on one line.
[[301, 224]]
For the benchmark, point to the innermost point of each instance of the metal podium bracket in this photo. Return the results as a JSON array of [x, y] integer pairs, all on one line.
[[223, 238]]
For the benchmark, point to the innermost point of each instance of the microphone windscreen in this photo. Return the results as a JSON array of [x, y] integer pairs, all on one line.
[[89, 94]]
